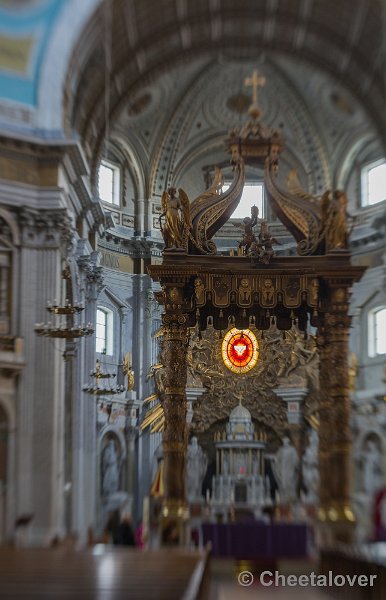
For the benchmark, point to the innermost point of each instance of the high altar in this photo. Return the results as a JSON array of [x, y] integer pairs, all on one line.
[[239, 479], [201, 289]]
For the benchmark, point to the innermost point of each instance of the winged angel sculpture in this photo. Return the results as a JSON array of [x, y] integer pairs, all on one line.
[[191, 226], [177, 220], [320, 224]]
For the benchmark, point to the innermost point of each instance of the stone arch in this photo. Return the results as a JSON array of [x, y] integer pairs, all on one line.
[[108, 503], [372, 435], [111, 433]]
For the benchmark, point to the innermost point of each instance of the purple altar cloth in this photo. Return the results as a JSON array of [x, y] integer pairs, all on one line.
[[257, 540]]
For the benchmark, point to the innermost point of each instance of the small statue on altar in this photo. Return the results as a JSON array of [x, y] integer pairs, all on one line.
[[197, 463], [128, 371], [311, 468], [285, 469], [177, 223], [249, 237]]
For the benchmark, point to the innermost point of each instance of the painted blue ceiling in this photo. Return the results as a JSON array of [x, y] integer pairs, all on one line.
[[25, 30]]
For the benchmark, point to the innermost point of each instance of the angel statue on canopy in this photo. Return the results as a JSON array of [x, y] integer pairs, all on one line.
[[178, 223], [249, 237]]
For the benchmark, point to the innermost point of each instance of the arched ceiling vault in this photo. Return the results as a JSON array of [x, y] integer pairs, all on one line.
[[342, 38]]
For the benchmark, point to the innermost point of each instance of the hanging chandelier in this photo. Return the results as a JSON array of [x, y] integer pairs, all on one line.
[[107, 389], [63, 324]]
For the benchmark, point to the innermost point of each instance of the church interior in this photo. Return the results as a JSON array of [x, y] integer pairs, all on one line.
[[193, 299]]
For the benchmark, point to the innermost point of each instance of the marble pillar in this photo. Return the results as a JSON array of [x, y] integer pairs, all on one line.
[[141, 330], [85, 455], [40, 438]]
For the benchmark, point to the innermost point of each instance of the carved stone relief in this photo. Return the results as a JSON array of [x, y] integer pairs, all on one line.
[[292, 356]]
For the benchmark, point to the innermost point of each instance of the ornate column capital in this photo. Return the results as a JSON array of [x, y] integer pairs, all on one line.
[[46, 229], [152, 308], [92, 272], [293, 397]]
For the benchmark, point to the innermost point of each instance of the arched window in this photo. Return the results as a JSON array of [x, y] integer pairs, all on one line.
[[104, 335], [377, 331], [109, 183], [374, 183]]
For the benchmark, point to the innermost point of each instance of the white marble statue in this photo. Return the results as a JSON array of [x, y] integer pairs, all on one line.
[[285, 469], [371, 463], [197, 463], [311, 468], [110, 469]]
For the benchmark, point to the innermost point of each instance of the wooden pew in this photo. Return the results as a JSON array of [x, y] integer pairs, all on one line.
[[103, 572], [365, 559]]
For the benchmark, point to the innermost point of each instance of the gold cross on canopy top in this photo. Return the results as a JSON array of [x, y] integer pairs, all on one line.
[[255, 81]]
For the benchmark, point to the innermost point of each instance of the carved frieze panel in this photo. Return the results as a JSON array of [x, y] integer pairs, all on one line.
[[265, 290]]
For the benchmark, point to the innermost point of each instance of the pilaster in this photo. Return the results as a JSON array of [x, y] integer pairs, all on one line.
[[40, 394], [85, 453]]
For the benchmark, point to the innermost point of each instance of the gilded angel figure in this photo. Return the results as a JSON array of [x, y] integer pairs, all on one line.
[[128, 371], [335, 219], [177, 220]]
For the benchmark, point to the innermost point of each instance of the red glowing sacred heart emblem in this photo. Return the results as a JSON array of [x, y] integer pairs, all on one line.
[[240, 350]]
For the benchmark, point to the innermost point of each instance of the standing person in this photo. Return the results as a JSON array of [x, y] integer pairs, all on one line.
[[126, 533], [112, 533]]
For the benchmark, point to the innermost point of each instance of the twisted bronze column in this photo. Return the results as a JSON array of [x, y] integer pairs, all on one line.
[[325, 419], [335, 409], [174, 350]]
